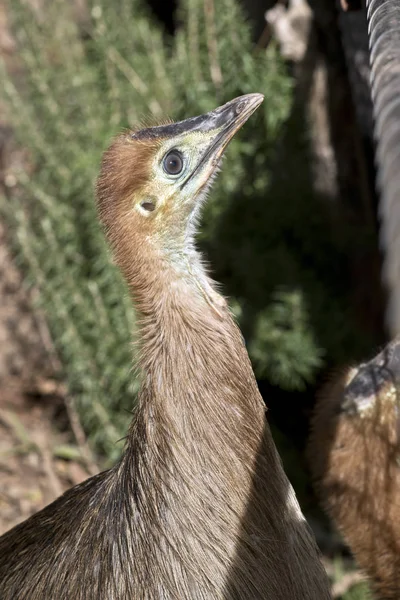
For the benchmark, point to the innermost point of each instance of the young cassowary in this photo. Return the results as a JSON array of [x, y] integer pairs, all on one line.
[[199, 506], [354, 454]]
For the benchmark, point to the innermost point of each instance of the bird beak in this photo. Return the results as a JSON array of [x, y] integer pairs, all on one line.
[[221, 124]]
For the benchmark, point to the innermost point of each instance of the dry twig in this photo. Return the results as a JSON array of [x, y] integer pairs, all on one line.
[[215, 68], [80, 437]]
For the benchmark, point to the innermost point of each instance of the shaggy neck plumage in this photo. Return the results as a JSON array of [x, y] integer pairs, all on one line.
[[195, 372]]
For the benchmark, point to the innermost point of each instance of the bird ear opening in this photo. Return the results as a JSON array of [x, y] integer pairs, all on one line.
[[148, 205]]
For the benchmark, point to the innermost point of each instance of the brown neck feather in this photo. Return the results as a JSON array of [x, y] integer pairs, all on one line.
[[195, 370]]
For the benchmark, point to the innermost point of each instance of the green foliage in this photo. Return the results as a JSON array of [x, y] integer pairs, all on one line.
[[282, 344], [81, 83], [357, 591]]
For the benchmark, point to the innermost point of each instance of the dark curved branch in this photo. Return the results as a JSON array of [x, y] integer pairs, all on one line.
[[384, 41]]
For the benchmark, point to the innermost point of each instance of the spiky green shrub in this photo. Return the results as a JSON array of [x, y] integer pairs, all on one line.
[[359, 592], [80, 84]]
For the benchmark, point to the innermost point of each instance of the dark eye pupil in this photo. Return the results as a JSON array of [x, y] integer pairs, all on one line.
[[173, 163]]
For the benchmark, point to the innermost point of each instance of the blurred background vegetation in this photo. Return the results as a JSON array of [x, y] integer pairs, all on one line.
[[294, 245], [280, 249]]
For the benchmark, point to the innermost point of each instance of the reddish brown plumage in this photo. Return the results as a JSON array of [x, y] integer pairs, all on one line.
[[125, 170], [199, 507], [354, 454]]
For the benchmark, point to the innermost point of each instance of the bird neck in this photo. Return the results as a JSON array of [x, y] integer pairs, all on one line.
[[197, 380], [166, 279]]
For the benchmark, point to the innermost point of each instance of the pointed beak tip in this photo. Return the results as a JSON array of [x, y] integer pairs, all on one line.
[[254, 99], [258, 97], [246, 105]]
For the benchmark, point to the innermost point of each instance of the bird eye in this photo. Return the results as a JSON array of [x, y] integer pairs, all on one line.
[[173, 163]]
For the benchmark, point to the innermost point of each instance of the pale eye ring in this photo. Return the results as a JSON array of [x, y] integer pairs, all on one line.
[[173, 162]]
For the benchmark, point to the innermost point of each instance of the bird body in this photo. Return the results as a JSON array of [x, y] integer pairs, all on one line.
[[199, 506], [354, 454]]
